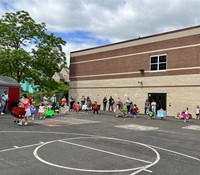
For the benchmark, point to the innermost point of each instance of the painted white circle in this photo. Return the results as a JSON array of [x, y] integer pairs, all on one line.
[[157, 157]]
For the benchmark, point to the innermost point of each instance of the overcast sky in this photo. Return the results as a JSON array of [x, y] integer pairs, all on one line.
[[89, 23]]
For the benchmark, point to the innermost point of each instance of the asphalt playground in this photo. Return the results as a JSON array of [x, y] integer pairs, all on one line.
[[99, 144]]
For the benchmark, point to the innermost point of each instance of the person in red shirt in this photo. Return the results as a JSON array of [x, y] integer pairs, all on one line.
[[63, 101], [31, 100], [135, 111], [95, 107]]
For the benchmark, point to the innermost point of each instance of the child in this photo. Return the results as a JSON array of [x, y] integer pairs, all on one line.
[[41, 110], [77, 107], [178, 115], [57, 108], [149, 113], [187, 116], [197, 113], [49, 112], [121, 112], [64, 109], [95, 107], [33, 111], [135, 111]]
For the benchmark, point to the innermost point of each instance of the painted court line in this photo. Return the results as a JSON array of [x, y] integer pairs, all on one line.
[[192, 127], [17, 147], [142, 168], [137, 127], [108, 152], [181, 154], [137, 170]]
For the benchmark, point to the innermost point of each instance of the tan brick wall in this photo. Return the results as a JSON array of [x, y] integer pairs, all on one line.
[[182, 91]]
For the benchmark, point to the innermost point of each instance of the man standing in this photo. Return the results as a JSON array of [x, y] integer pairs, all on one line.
[[5, 94], [53, 100], [3, 103], [111, 103]]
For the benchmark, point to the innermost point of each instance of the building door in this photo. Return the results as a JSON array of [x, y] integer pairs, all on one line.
[[13, 95], [160, 99]]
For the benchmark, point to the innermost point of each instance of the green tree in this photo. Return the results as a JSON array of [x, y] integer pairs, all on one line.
[[27, 51]]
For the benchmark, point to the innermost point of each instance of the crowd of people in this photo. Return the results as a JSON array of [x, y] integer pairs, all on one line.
[[187, 116], [47, 108], [50, 106]]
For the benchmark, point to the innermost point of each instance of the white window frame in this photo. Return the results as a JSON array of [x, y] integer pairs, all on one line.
[[158, 70]]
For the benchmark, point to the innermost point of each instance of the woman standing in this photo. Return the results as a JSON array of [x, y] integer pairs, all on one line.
[[63, 101], [146, 106], [104, 103], [3, 103], [128, 104], [25, 104], [153, 106]]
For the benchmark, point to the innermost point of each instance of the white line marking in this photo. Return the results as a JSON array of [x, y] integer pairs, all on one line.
[[108, 152], [17, 147], [142, 168], [137, 127], [148, 171], [192, 127], [185, 155]]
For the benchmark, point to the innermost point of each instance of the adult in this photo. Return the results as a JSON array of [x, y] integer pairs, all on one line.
[[128, 104], [104, 103], [6, 101], [71, 102], [83, 99], [53, 101], [88, 104], [146, 106], [25, 104], [3, 103], [118, 103], [63, 101], [45, 100], [111, 103], [153, 106], [31, 100]]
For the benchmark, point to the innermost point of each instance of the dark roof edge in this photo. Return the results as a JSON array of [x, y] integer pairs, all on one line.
[[8, 81]]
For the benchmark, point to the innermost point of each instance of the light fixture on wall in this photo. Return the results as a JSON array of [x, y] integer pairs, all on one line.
[[141, 71], [140, 82]]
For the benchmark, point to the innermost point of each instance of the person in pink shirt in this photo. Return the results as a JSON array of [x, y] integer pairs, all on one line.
[[153, 106], [25, 104], [118, 103]]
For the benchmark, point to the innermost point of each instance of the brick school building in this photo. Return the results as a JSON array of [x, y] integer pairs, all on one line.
[[163, 67]]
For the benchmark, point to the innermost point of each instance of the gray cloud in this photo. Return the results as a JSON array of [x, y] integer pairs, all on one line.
[[113, 20]]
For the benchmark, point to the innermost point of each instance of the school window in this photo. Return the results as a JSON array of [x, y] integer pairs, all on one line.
[[158, 62]]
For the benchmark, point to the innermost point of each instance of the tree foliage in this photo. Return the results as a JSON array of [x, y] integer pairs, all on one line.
[[27, 51]]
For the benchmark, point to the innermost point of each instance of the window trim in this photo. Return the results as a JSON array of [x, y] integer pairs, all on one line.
[[158, 55]]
